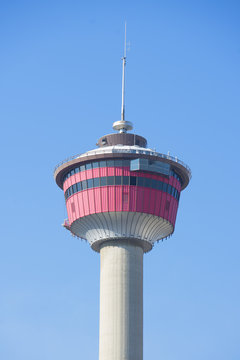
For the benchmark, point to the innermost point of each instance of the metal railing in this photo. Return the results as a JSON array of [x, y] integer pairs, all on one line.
[[127, 150]]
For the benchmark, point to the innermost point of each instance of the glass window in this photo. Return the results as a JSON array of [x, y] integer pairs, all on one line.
[[160, 185], [102, 164], [133, 180], [110, 180], [103, 181], [72, 172], [79, 186], [110, 163], [125, 180], [154, 184], [118, 180], [141, 181], [95, 164], [164, 188], [125, 162], [84, 184], [74, 188], [148, 182], [96, 182], [90, 183], [134, 165], [88, 166], [118, 162], [82, 168], [76, 170]]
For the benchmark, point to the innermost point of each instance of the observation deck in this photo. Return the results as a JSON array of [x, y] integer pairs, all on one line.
[[122, 191]]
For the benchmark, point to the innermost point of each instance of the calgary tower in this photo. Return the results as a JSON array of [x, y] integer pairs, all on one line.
[[121, 197]]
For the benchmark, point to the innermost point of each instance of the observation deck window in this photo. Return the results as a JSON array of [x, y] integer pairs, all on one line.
[[84, 184], [135, 165], [138, 181], [96, 182], [90, 183], [103, 181]]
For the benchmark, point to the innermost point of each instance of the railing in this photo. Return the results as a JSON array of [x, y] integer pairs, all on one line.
[[127, 150]]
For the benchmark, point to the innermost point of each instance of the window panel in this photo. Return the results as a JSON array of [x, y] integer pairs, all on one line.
[[82, 168], [90, 183], [118, 180], [95, 164], [103, 181], [102, 164], [148, 182], [118, 162], [164, 188], [155, 184], [125, 180], [110, 163], [84, 184], [125, 162], [88, 166], [141, 181], [96, 182], [74, 188], [110, 180], [133, 180]]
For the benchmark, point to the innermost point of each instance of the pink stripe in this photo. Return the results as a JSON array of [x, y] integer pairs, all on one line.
[[85, 202], [157, 202], [110, 171], [91, 201], [111, 198], [104, 199], [96, 172], [125, 198], [133, 198], [97, 195], [118, 194], [103, 172]]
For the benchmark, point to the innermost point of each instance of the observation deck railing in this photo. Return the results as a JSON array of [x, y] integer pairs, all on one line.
[[129, 151]]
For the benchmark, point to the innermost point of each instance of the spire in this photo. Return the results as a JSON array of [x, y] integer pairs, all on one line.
[[123, 126], [123, 76]]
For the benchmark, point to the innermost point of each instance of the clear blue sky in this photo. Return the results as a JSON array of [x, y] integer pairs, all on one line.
[[60, 90]]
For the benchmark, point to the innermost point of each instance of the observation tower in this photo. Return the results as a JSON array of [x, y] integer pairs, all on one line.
[[122, 198]]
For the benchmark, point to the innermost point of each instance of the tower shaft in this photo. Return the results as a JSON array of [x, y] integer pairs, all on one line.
[[121, 301]]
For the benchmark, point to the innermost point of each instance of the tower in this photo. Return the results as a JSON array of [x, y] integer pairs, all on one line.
[[122, 198]]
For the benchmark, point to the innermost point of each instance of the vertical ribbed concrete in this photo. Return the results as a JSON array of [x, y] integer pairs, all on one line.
[[121, 301]]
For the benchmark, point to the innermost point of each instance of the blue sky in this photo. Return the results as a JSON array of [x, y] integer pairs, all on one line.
[[60, 91]]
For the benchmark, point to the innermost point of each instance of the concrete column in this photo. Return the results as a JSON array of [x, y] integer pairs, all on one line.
[[121, 301]]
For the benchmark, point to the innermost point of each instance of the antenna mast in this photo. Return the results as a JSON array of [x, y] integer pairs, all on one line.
[[123, 126], [123, 75]]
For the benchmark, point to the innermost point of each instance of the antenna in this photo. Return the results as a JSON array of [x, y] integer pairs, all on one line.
[[122, 126], [123, 75]]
